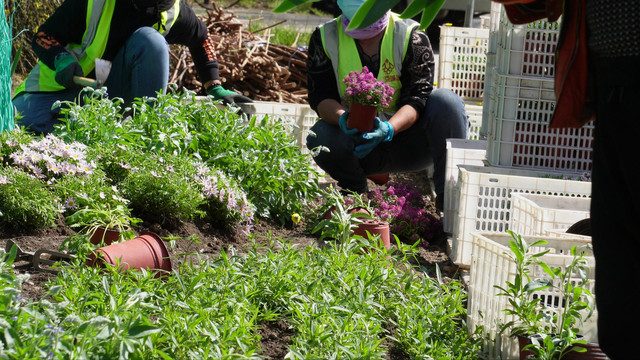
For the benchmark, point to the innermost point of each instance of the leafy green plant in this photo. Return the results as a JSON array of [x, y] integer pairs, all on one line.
[[525, 308], [163, 187], [336, 221], [26, 202], [554, 332], [90, 219], [576, 298], [259, 154]]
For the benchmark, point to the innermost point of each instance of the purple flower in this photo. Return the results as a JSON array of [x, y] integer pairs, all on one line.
[[362, 87]]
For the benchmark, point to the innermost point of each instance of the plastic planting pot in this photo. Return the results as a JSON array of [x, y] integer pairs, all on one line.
[[147, 251], [109, 236], [329, 213], [375, 227], [361, 117]]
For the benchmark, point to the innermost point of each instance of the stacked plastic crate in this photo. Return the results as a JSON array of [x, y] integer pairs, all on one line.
[[519, 103], [462, 67], [533, 176], [522, 102]]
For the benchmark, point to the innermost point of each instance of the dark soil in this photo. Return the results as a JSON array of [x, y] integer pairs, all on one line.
[[275, 335]]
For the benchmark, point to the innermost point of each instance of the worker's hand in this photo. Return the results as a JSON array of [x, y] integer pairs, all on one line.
[[66, 68], [382, 131], [228, 96], [342, 122]]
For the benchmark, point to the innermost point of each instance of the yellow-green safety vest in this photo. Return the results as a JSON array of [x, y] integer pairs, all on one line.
[[94, 41], [342, 50]]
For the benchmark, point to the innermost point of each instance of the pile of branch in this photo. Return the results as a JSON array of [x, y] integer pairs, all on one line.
[[249, 64]]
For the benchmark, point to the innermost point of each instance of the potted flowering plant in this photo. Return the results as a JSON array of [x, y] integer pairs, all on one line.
[[366, 96]]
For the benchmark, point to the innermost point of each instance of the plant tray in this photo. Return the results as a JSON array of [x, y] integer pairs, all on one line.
[[462, 61], [483, 195], [536, 214], [492, 266], [459, 152]]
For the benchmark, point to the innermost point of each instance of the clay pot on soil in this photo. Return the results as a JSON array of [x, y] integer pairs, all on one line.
[[327, 215], [375, 227], [593, 350], [147, 251], [379, 179], [361, 117], [108, 235]]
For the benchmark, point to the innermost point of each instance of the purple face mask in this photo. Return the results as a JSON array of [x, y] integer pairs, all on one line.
[[368, 32]]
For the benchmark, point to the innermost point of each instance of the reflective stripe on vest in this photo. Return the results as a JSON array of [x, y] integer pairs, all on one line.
[[94, 42], [342, 51], [168, 18]]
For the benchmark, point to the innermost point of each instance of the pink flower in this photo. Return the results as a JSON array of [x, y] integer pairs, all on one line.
[[364, 88]]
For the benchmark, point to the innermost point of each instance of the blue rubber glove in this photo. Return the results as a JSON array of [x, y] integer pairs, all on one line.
[[228, 96], [342, 122], [66, 68], [382, 131]]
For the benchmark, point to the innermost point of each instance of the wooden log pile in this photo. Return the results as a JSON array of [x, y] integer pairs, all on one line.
[[249, 64]]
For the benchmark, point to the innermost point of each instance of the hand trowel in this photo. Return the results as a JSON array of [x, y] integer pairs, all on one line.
[[103, 67]]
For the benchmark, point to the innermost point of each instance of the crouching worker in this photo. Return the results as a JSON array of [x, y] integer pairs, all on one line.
[[132, 34], [413, 134]]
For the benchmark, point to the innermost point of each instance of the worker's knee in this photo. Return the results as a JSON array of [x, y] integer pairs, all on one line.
[[148, 42]]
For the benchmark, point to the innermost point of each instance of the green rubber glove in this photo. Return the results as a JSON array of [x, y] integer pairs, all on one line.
[[228, 96], [382, 131], [66, 68]]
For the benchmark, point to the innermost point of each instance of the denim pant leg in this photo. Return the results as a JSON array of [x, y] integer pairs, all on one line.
[[141, 66], [425, 143], [35, 109], [411, 150], [340, 162]]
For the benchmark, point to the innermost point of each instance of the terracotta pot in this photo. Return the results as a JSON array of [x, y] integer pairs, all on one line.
[[146, 251], [375, 227], [593, 350], [358, 209], [361, 117], [379, 179], [108, 235]]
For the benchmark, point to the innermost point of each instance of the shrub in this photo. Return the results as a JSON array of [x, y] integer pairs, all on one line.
[[25, 201]]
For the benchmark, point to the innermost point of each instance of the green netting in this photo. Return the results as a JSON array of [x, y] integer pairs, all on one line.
[[6, 107]]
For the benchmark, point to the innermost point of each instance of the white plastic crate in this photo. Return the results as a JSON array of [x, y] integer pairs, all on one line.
[[301, 116], [462, 61], [518, 133], [535, 214], [483, 195], [491, 266], [474, 112], [527, 49], [459, 152]]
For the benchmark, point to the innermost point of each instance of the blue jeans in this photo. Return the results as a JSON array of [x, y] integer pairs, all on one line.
[[414, 149], [140, 68]]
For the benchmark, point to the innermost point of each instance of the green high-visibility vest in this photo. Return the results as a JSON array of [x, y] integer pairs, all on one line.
[[342, 50], [94, 42]]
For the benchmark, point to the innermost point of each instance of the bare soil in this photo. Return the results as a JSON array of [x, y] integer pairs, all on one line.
[[275, 335]]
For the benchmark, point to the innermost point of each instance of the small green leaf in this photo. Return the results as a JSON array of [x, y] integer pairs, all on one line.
[[370, 12], [287, 5], [139, 331]]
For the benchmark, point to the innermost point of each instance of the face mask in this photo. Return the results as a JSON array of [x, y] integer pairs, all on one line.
[[368, 32], [349, 7]]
